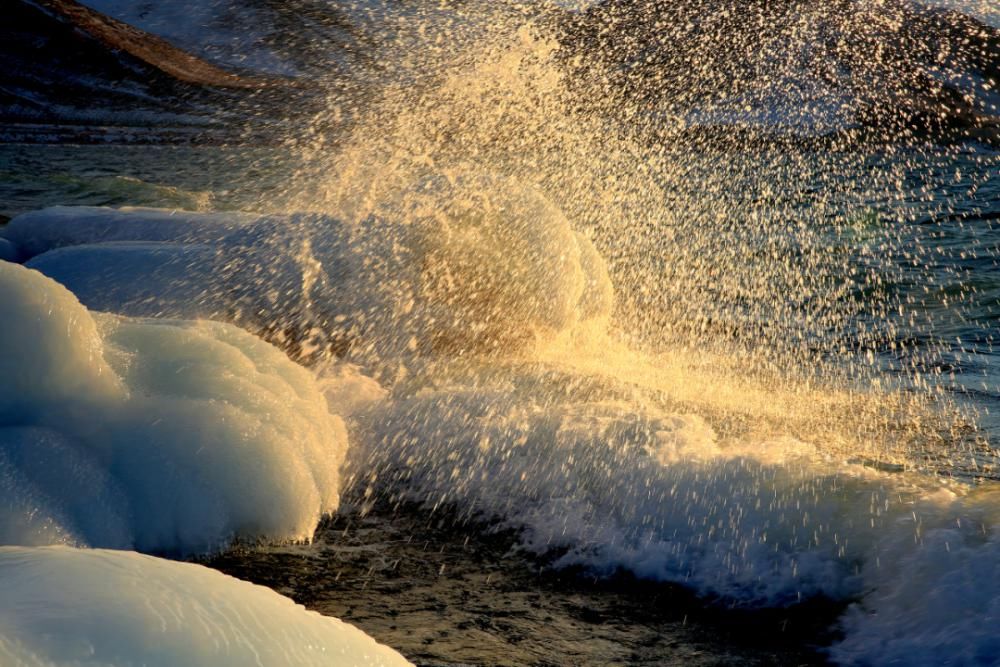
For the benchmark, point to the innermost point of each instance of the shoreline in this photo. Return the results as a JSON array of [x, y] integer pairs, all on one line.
[[451, 593]]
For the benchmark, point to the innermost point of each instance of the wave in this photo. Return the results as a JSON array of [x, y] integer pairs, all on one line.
[[529, 308], [674, 468]]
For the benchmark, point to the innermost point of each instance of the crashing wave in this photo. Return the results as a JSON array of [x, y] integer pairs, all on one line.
[[456, 267]]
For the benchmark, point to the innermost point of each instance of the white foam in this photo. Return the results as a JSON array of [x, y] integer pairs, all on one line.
[[934, 596], [613, 483], [197, 431], [624, 484], [348, 388], [63, 607]]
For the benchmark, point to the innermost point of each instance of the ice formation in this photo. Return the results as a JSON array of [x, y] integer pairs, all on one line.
[[450, 266], [165, 435], [35, 232], [63, 606]]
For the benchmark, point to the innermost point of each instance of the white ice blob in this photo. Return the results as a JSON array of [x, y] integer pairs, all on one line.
[[496, 259], [58, 226], [451, 266], [63, 607], [53, 355], [162, 435], [141, 279], [51, 492]]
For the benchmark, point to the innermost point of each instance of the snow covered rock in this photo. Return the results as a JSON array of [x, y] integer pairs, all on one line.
[[63, 606], [165, 435]]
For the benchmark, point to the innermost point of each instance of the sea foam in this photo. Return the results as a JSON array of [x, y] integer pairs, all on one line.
[[594, 475]]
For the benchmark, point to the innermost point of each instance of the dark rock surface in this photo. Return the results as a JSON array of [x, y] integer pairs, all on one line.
[[55, 71], [73, 74], [447, 594]]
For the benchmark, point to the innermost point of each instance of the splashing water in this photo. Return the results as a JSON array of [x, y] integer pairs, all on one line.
[[782, 263], [702, 290], [788, 266]]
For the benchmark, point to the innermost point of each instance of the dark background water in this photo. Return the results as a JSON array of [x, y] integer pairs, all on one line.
[[187, 177]]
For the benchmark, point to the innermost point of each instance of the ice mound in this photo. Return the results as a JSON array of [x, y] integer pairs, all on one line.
[[160, 435], [493, 263], [53, 359], [51, 492], [35, 232], [63, 606], [140, 279], [451, 266]]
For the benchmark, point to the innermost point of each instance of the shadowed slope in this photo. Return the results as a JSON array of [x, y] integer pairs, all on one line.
[[146, 47]]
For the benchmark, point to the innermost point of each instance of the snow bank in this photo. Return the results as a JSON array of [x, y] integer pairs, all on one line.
[[451, 266], [63, 606], [159, 435]]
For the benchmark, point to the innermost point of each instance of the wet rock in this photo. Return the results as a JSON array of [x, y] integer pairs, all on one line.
[[494, 605]]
